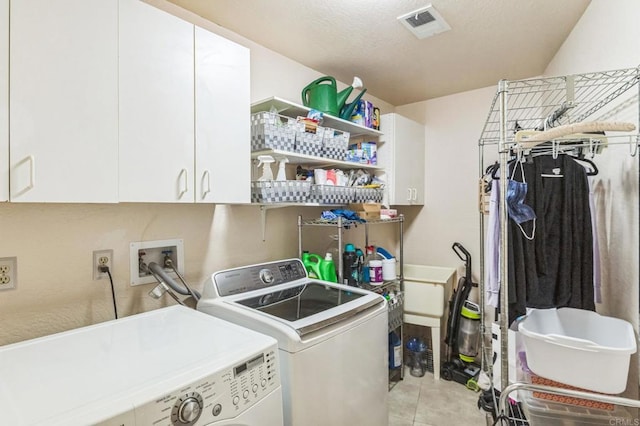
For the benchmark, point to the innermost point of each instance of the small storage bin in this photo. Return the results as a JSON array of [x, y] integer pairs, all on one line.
[[309, 143], [280, 191], [545, 413], [335, 144], [329, 194], [367, 195], [579, 348], [272, 131]]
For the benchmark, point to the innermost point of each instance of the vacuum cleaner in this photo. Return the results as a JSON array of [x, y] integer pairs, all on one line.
[[463, 329]]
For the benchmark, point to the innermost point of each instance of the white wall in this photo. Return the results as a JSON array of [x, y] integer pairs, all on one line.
[[54, 242], [454, 124]]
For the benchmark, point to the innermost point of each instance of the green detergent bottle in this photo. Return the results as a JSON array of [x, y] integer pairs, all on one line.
[[328, 269], [312, 263]]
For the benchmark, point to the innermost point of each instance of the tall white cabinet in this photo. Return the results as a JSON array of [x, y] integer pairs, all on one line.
[[402, 151], [4, 100], [63, 80]]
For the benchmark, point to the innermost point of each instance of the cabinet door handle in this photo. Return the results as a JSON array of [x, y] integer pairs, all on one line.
[[184, 173], [205, 178], [32, 172], [408, 194], [415, 194]]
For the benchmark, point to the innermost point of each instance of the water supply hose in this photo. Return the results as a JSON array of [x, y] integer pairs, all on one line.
[[158, 272]]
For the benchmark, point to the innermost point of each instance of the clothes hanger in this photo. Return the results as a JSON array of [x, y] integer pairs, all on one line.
[[593, 171]]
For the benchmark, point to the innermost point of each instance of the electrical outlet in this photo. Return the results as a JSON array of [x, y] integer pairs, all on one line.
[[8, 272], [102, 258]]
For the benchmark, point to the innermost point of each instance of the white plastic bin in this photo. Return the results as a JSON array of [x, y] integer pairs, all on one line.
[[579, 348]]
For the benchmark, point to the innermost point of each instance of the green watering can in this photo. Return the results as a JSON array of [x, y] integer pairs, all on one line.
[[322, 95]]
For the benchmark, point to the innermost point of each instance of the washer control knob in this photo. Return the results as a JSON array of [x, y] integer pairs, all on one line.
[[266, 276], [236, 400], [254, 388], [245, 394], [187, 409], [263, 383]]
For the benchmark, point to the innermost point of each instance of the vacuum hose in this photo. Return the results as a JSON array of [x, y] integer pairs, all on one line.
[[158, 272]]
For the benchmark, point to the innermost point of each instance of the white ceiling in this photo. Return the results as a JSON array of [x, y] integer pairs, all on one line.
[[489, 40]]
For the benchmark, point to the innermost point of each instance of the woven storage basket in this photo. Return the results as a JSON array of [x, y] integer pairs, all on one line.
[[364, 195], [329, 194], [309, 143], [280, 191], [335, 144], [272, 131]]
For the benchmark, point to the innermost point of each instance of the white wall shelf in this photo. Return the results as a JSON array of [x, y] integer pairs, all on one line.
[[291, 109], [297, 158]]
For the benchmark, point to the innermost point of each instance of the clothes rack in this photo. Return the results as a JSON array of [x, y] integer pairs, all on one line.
[[538, 104]]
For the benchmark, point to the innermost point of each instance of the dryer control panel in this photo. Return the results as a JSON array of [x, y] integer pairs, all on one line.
[[216, 397]]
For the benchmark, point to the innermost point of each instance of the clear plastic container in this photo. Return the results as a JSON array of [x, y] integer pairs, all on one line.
[[544, 413]]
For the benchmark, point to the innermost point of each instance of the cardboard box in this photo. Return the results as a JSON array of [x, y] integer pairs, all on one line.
[[366, 211], [363, 153]]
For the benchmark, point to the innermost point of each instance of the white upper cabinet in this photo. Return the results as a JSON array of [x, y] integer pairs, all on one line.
[[402, 153], [4, 100], [156, 105], [222, 121], [63, 59]]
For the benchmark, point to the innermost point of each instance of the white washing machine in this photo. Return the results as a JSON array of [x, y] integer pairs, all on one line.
[[172, 366], [332, 339]]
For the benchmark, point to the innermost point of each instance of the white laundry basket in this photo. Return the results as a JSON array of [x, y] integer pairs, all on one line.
[[579, 348]]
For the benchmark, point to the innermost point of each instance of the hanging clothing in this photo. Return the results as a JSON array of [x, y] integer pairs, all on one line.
[[555, 269], [492, 248]]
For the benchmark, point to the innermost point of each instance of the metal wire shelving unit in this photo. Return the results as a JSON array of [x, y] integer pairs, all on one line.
[[539, 104]]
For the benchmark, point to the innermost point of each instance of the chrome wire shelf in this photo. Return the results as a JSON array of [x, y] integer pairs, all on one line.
[[347, 222], [575, 97]]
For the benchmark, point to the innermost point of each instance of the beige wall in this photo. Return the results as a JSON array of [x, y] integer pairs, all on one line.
[[605, 38], [54, 242]]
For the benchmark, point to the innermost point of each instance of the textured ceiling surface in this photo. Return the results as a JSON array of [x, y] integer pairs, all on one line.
[[489, 40]]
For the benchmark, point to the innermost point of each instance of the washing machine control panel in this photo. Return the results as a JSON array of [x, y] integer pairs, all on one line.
[[221, 395], [255, 277]]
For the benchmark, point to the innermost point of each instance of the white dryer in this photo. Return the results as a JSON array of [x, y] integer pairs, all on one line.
[[333, 339], [168, 367]]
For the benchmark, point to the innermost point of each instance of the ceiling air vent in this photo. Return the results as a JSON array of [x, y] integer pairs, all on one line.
[[424, 22]]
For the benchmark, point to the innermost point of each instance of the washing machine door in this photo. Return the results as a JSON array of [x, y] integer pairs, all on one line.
[[312, 305]]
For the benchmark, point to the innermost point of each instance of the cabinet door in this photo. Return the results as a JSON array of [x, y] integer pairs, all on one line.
[[64, 100], [223, 169], [156, 110], [4, 100], [410, 151], [402, 155]]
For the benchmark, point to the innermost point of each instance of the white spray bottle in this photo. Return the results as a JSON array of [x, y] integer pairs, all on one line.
[[265, 161], [282, 175]]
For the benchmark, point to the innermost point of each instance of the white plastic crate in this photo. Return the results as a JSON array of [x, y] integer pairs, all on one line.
[[280, 191], [579, 348], [272, 131]]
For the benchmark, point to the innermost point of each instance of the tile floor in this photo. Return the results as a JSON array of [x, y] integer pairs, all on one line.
[[421, 401]]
